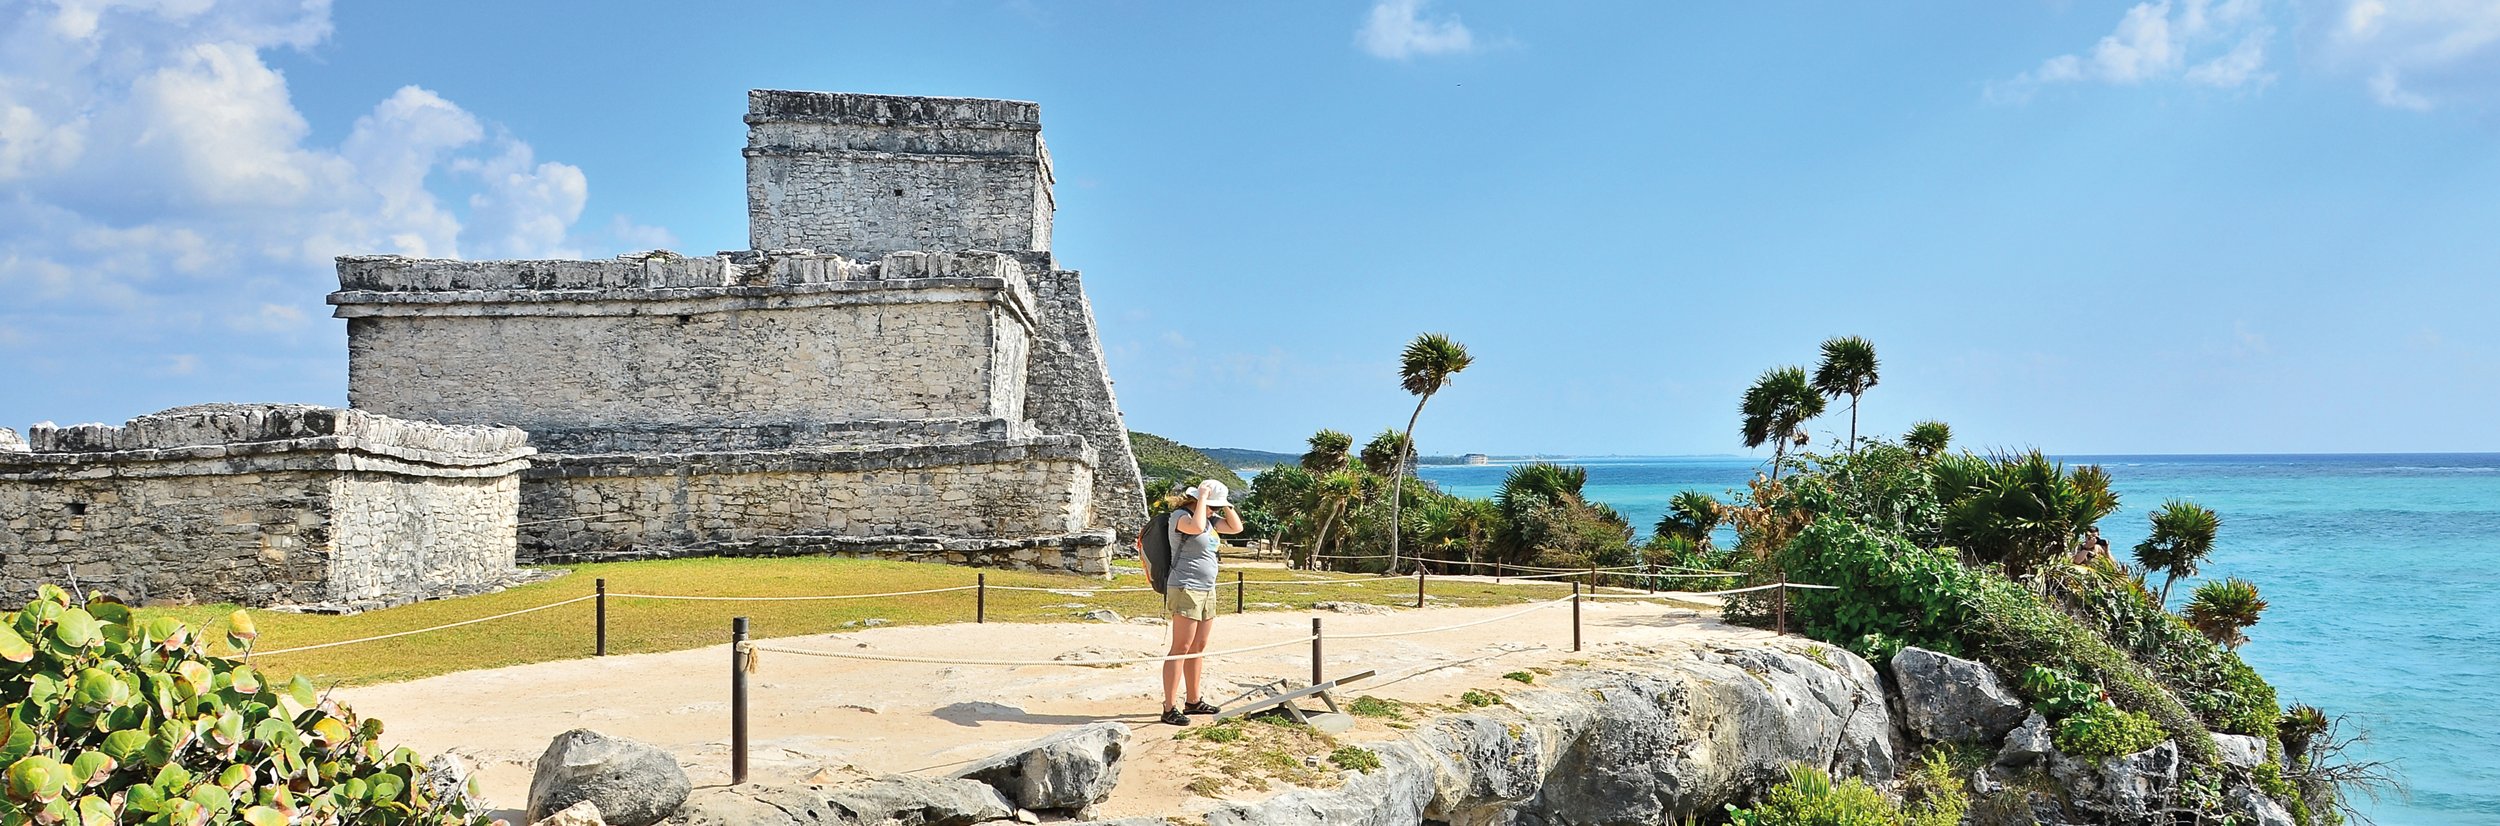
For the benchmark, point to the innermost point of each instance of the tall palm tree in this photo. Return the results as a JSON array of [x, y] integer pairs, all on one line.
[[1382, 454], [1329, 449], [1424, 369], [1776, 408], [1692, 515], [2222, 611], [1848, 369], [1330, 495], [2183, 534], [1928, 439]]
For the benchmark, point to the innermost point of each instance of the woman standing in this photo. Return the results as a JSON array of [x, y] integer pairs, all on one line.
[[1196, 529]]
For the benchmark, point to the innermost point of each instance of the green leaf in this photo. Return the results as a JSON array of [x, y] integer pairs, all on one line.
[[15, 648], [37, 779], [92, 768], [94, 811], [77, 629], [128, 746], [386, 788], [263, 816], [239, 626], [212, 799]]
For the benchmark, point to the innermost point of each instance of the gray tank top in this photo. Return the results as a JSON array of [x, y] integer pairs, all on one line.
[[1193, 557]]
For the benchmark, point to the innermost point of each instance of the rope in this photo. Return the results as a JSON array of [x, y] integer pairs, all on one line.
[[893, 658], [1071, 591], [424, 630], [1682, 594], [793, 599], [1387, 634]]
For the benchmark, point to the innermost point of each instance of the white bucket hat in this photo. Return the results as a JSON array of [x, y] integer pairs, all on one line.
[[1213, 492]]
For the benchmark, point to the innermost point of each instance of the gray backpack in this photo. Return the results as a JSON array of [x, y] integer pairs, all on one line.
[[1158, 550]]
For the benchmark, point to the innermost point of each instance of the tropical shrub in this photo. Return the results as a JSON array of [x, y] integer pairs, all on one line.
[[2181, 537], [2103, 731], [1891, 594], [1810, 797], [2058, 696], [2223, 611], [105, 718]]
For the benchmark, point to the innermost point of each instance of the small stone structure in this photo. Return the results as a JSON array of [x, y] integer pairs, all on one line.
[[265, 505], [898, 368]]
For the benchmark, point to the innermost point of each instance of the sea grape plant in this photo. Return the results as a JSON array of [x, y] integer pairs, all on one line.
[[107, 718]]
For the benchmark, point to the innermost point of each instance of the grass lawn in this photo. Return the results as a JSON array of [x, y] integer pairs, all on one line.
[[649, 625]]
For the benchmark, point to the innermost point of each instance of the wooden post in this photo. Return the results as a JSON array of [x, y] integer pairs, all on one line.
[[1315, 653], [1419, 585], [737, 700], [1241, 592], [1575, 616], [980, 598], [1592, 579], [1497, 572], [1651, 581], [1782, 602], [602, 621]]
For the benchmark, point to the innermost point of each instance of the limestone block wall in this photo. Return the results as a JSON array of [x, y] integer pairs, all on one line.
[[1069, 391], [263, 505], [976, 499], [864, 175], [690, 344]]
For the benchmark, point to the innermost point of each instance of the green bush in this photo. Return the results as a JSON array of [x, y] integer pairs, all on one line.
[[2059, 696], [1479, 699], [1811, 798], [1355, 758], [1891, 595], [2105, 731], [108, 719]]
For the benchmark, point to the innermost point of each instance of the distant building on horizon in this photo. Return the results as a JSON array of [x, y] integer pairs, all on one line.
[[1476, 459]]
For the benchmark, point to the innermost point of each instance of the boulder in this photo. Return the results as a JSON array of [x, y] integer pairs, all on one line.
[[633, 784], [2129, 788], [1067, 771], [897, 800], [584, 813], [1103, 615], [446, 777], [2258, 809], [2027, 744], [1950, 699], [2240, 750]]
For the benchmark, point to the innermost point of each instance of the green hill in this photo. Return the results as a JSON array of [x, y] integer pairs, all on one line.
[[1242, 457], [1161, 458]]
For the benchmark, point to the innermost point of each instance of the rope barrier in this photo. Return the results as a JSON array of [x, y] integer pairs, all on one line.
[[795, 599], [895, 658], [1073, 591], [582, 598], [1681, 594]]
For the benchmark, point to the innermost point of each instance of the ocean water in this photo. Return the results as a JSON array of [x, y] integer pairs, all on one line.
[[2382, 575]]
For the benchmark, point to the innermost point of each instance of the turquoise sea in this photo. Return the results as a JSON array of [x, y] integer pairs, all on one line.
[[2382, 573]]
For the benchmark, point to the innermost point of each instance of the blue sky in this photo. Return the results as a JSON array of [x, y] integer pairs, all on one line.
[[2225, 226]]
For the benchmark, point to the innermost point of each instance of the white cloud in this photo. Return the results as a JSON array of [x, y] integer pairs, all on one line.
[[164, 205], [2420, 55], [2219, 44], [1398, 29]]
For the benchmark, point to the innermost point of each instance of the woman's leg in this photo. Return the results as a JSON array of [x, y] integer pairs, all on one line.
[[1184, 630], [1190, 669]]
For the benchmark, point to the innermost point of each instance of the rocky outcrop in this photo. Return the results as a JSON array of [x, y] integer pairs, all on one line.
[[1948, 699], [1068, 771], [899, 800], [632, 783], [584, 813], [1650, 740], [2240, 750], [2027, 744], [2131, 788]]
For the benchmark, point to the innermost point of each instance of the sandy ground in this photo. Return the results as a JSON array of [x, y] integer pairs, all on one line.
[[824, 718]]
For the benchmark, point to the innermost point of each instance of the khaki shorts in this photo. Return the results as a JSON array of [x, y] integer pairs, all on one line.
[[1190, 603]]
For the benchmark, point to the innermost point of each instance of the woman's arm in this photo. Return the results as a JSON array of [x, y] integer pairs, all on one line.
[[1191, 520], [1229, 521]]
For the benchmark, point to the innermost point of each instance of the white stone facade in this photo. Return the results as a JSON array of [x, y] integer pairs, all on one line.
[[264, 505]]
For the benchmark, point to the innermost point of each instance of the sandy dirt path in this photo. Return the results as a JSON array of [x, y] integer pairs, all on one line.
[[826, 718]]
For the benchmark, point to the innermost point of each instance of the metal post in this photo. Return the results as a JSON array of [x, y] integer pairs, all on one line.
[[738, 700], [980, 598], [1315, 680], [1419, 585], [602, 650], [1241, 592], [1575, 616]]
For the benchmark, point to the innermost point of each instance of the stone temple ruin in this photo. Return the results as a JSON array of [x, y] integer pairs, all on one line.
[[898, 368]]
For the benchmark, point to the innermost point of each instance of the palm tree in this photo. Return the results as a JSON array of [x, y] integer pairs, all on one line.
[[1382, 455], [1848, 369], [2222, 610], [1777, 408], [1928, 439], [2021, 511], [1328, 452], [1330, 495], [1424, 369], [2183, 534], [1525, 490], [1692, 515]]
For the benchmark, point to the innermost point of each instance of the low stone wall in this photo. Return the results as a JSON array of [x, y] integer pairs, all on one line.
[[265, 505], [1009, 503]]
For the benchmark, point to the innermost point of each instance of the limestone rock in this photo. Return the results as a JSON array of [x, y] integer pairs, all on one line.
[[1350, 607], [1067, 771], [634, 784], [1950, 699], [1665, 735], [2259, 809], [10, 443], [1103, 615], [2240, 750], [898, 800], [2125, 789], [446, 777], [584, 813], [2027, 743]]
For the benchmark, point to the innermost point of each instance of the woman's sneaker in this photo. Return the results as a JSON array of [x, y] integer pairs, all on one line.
[[1174, 717], [1199, 707]]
